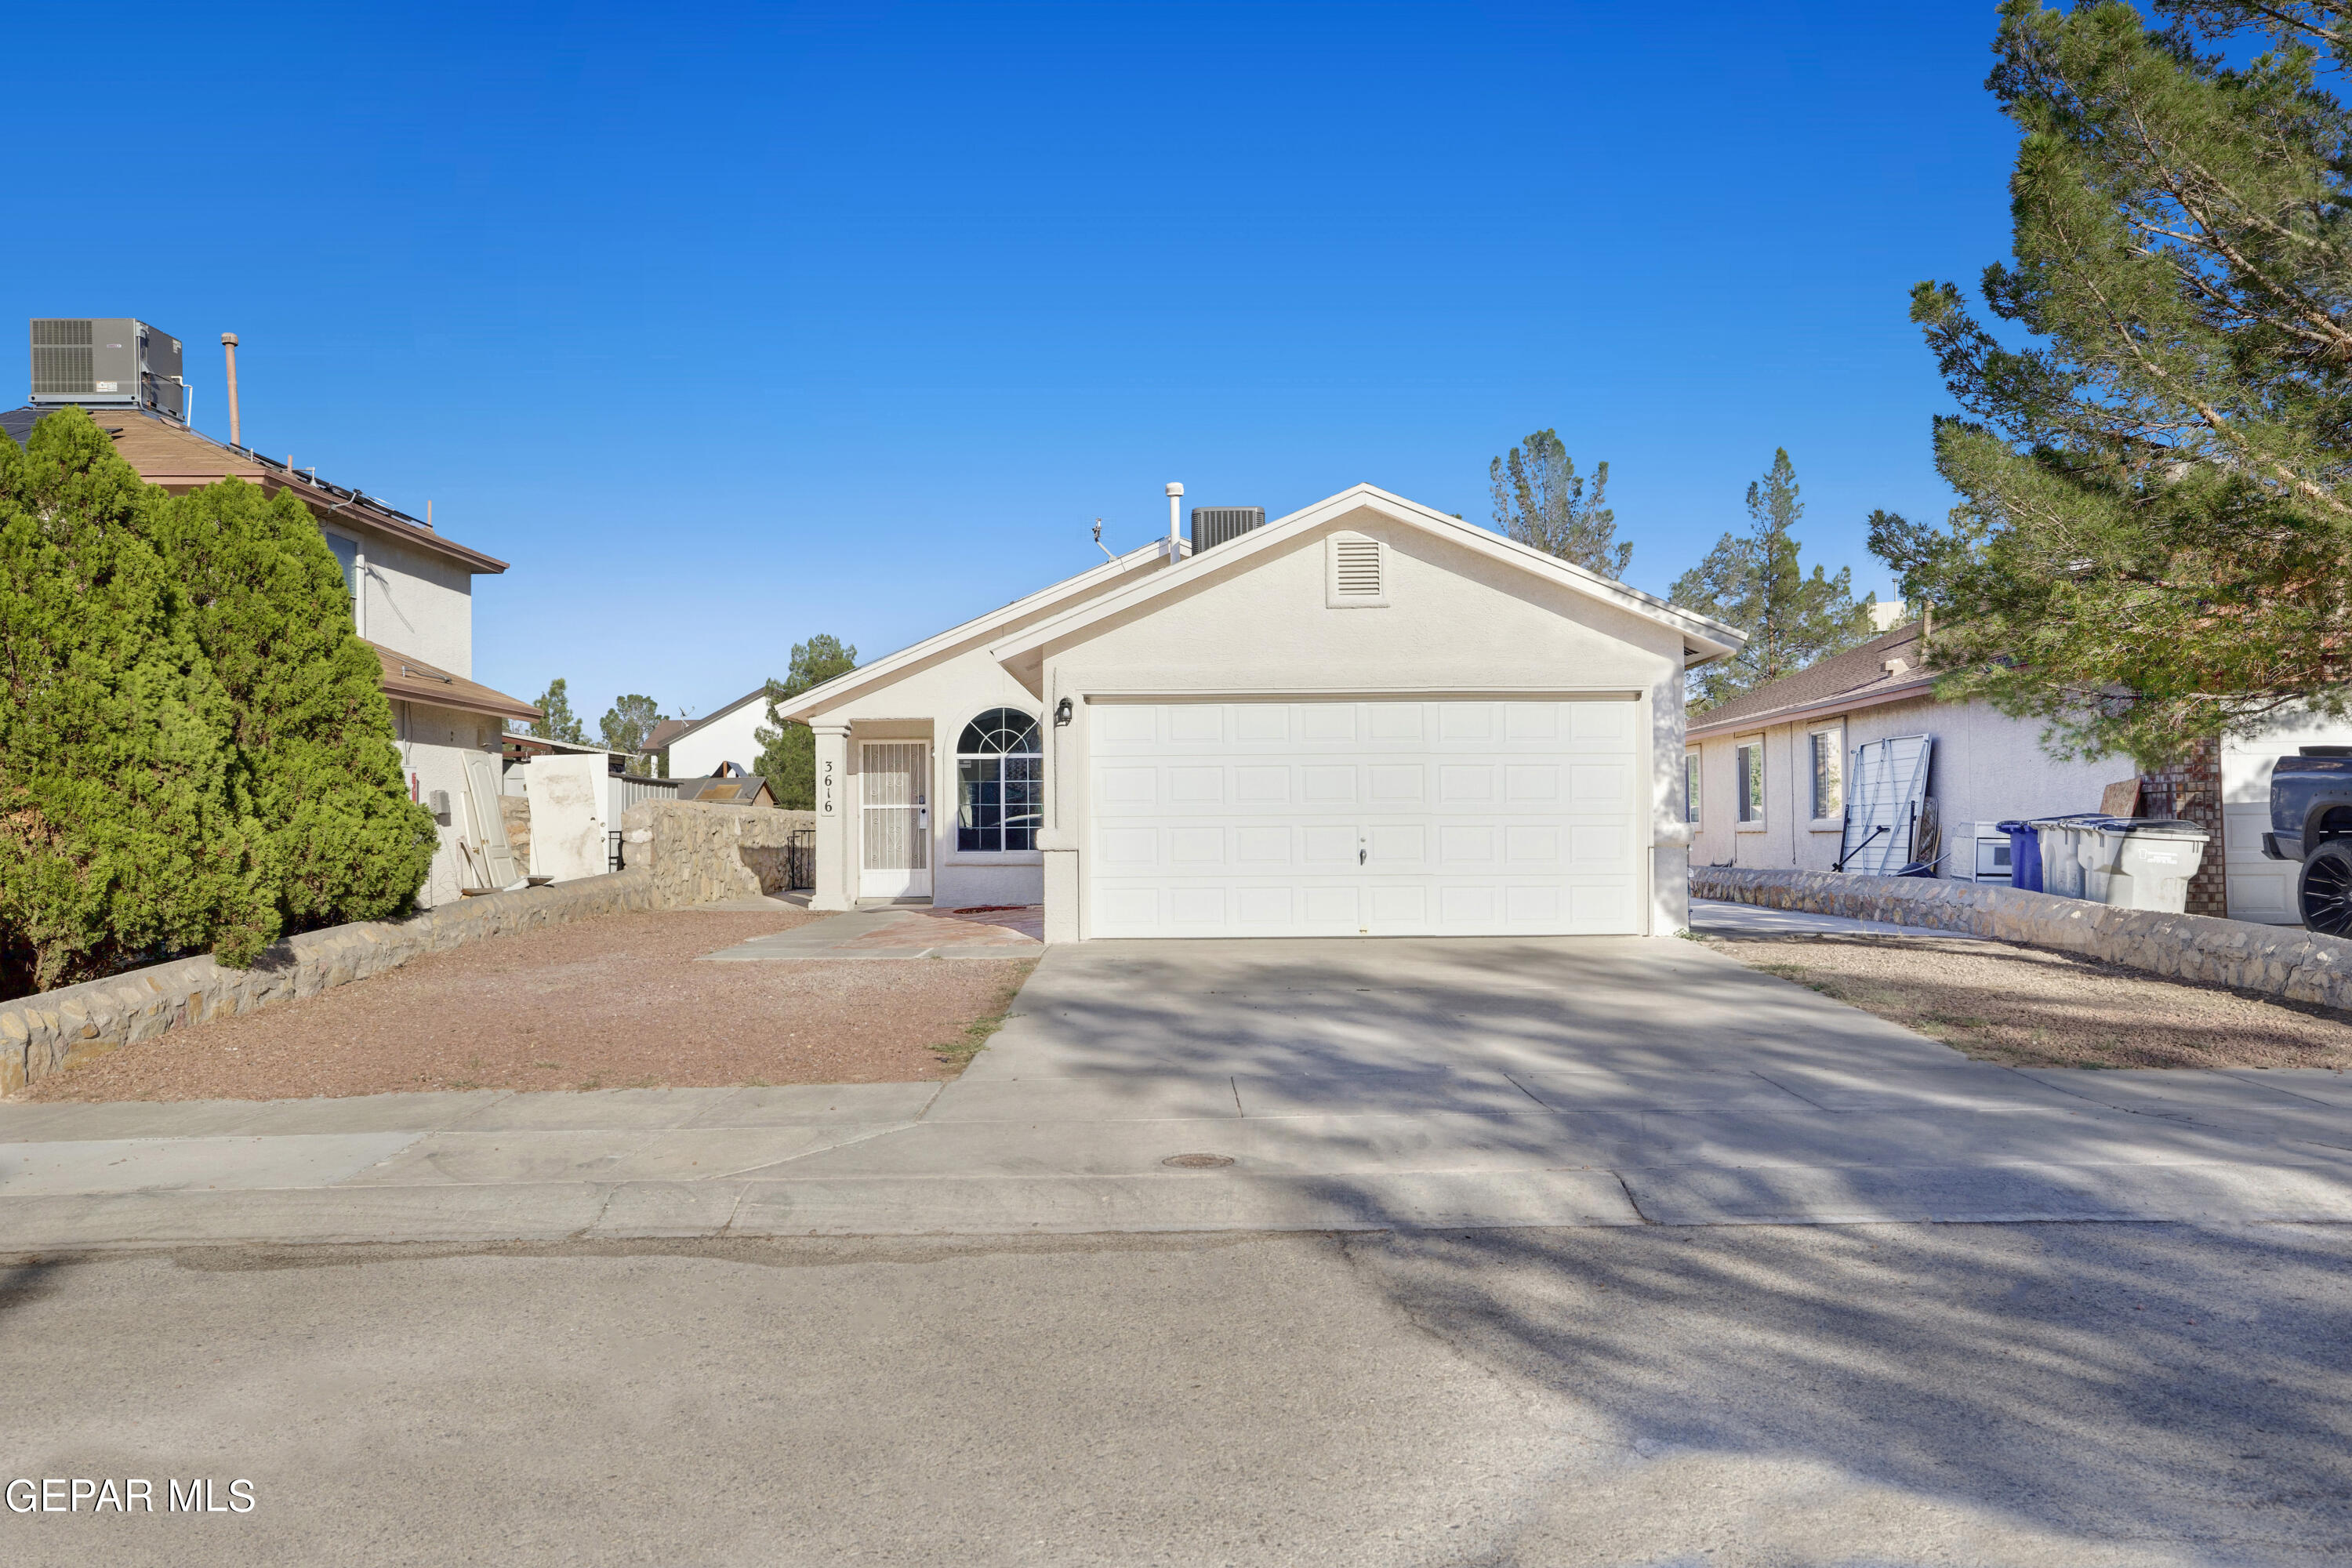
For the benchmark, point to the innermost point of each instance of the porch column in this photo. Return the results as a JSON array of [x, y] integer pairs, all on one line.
[[836, 841]]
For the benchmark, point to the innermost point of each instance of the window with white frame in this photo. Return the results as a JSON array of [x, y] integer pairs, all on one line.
[[1750, 780], [1690, 788], [1000, 782], [1829, 774], [347, 556]]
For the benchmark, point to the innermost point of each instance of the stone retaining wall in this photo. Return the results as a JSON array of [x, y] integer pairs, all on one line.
[[680, 853], [702, 854], [2285, 961]]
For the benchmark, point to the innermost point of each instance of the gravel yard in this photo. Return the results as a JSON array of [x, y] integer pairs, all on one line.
[[612, 1003], [2027, 1007]]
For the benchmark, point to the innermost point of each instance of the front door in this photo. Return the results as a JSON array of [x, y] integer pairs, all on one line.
[[894, 826]]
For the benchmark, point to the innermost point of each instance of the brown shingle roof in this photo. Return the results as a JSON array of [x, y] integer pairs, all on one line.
[[169, 454], [412, 680], [1857, 677]]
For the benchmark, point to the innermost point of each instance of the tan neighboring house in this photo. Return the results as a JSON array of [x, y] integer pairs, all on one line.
[[412, 598], [1765, 776], [1765, 773]]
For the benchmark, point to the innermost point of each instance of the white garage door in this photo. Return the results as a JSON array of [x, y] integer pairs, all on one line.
[[1373, 818]]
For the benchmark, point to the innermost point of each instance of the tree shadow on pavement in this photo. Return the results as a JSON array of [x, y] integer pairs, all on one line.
[[2099, 1385]]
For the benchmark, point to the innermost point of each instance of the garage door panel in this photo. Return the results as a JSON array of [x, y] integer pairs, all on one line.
[[1460, 817], [1327, 720], [1262, 846], [1196, 847], [1600, 720], [1531, 784], [1261, 786], [1196, 785], [1599, 786], [1338, 908], [1463, 844], [1328, 784], [1262, 722], [1527, 847], [1531, 722], [1395, 846], [1262, 905], [1466, 782], [1328, 844], [1465, 721]]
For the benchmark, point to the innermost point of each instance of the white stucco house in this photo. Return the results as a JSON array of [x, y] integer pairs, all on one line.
[[1367, 718]]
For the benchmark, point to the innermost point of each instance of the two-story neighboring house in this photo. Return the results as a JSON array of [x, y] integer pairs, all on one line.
[[412, 597]]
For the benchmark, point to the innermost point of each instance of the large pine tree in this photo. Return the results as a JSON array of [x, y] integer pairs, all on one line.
[[123, 828], [2156, 464], [1756, 582], [312, 731]]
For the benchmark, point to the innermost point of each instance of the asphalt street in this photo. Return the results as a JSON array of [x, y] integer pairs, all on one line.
[[2028, 1394]]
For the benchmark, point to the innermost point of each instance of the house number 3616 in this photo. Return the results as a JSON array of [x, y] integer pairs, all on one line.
[[826, 805]]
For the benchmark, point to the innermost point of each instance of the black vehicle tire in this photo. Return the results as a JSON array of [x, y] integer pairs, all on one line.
[[2326, 892]]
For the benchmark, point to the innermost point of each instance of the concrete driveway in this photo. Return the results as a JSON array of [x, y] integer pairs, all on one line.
[[1295, 1086]]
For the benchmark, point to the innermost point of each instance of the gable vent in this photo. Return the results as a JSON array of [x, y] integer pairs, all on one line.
[[1359, 568], [1359, 573]]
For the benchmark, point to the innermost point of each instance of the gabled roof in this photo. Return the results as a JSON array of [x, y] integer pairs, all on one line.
[[1703, 639], [1086, 585], [169, 454], [1858, 678], [412, 680]]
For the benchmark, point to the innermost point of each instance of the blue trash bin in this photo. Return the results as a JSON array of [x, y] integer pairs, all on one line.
[[2024, 855]]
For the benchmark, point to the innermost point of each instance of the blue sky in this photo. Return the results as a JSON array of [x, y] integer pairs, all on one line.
[[727, 325]]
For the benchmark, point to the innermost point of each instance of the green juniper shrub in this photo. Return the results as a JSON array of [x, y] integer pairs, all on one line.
[[124, 831]]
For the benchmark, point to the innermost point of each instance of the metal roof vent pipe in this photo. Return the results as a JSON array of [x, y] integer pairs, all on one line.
[[228, 347], [1175, 500], [1215, 525]]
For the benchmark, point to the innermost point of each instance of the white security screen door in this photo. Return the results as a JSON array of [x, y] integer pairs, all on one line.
[[1378, 818], [894, 820]]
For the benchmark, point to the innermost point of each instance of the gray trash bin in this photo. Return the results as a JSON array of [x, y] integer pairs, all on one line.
[[2140, 862], [2062, 858]]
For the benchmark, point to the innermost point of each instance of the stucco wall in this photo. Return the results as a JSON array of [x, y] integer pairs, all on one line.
[[433, 744], [413, 603], [1987, 767]]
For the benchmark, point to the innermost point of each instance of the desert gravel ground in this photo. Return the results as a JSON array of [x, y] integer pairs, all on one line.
[[2028, 1007], [612, 1003]]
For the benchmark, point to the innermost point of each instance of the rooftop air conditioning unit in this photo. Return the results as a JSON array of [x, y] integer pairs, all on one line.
[[107, 363], [1214, 525]]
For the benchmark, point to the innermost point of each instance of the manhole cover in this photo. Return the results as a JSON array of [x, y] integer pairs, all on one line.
[[1198, 1162]]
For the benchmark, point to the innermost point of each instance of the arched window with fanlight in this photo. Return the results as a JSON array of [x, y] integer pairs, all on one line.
[[1000, 782]]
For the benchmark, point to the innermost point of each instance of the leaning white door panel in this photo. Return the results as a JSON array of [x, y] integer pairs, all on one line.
[[1363, 818]]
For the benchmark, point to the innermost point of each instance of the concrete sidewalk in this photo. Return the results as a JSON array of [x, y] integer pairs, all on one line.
[[1329, 1086]]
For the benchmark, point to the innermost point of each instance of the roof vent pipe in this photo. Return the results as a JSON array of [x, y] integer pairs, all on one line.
[[228, 347], [1175, 500]]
